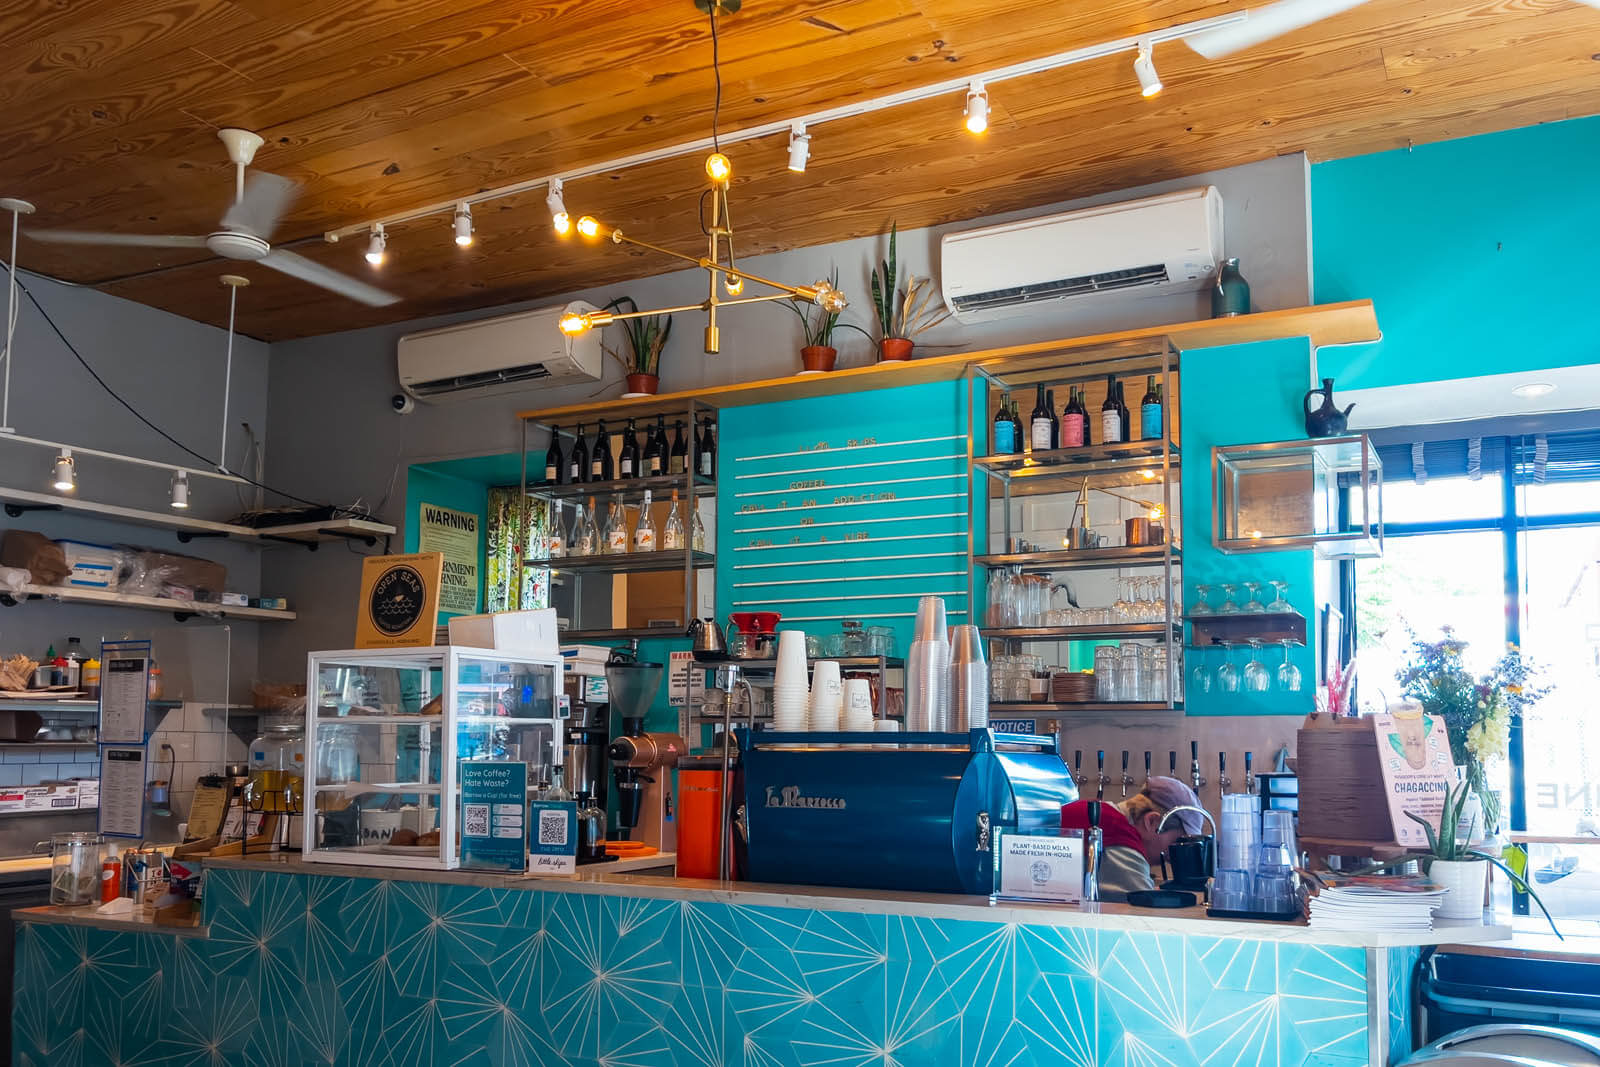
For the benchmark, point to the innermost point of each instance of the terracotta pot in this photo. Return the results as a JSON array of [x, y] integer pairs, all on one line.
[[894, 348], [643, 384], [818, 357]]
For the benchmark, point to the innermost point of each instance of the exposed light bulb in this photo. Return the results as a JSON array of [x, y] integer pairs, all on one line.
[[180, 490], [1148, 474], [377, 244], [799, 147], [834, 300], [588, 226], [1144, 68], [977, 107], [733, 284], [1156, 511], [558, 208], [573, 324], [463, 223], [718, 169], [65, 478]]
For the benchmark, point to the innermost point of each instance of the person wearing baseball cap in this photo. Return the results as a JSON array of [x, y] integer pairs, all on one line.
[[1130, 835]]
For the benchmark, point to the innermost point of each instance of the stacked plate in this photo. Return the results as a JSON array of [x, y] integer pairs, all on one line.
[[1072, 687]]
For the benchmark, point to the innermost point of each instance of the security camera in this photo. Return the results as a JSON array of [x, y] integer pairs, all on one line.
[[402, 404]]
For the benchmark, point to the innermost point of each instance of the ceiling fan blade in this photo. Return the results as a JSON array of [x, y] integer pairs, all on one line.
[[328, 278], [89, 237], [266, 198], [1264, 23]]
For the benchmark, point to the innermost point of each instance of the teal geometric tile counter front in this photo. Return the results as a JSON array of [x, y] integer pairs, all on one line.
[[315, 969]]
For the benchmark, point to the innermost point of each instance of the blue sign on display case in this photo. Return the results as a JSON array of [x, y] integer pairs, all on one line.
[[553, 837], [494, 825]]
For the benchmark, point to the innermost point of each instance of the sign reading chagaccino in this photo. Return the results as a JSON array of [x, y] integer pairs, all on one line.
[[1417, 768]]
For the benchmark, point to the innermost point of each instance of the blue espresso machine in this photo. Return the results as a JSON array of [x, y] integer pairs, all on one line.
[[907, 811]]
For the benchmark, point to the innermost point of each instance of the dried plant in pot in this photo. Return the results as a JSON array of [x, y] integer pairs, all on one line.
[[647, 337], [902, 314], [818, 354]]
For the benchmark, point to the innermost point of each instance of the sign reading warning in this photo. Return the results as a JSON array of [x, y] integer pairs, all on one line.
[[455, 534]]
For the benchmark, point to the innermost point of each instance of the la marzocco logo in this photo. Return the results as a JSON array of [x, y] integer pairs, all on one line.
[[789, 797]]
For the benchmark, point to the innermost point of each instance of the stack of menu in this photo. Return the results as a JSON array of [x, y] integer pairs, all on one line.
[[1367, 902]]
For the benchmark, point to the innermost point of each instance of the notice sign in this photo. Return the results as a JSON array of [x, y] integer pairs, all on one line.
[[1417, 769], [494, 826], [1041, 867], [686, 681], [454, 534], [553, 839]]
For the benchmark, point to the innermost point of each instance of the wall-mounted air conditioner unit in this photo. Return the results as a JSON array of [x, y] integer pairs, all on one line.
[[502, 354], [1154, 245]]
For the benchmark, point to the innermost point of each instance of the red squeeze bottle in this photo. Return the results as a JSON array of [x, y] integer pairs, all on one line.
[[110, 877]]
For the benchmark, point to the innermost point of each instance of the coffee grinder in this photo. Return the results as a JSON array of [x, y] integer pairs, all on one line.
[[642, 762]]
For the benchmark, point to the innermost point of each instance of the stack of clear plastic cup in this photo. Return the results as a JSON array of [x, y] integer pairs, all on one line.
[[1274, 888], [1238, 852]]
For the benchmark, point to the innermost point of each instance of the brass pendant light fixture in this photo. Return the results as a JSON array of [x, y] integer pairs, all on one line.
[[719, 261]]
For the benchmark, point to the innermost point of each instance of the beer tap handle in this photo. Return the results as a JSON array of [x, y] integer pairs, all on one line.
[[1223, 781], [1198, 779], [1249, 774], [1172, 763], [1127, 779], [1100, 770]]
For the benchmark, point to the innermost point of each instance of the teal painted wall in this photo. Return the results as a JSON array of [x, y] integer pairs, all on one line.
[[1241, 394], [1476, 253], [427, 486]]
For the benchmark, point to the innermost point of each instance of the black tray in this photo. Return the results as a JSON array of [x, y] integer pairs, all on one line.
[[1267, 916]]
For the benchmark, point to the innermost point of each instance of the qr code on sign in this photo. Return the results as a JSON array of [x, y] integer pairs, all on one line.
[[475, 820], [553, 828]]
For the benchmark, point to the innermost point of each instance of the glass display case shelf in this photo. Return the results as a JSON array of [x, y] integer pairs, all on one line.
[[1082, 559], [1110, 631], [380, 720], [600, 636], [1088, 460], [631, 490], [1286, 495], [632, 562], [357, 788]]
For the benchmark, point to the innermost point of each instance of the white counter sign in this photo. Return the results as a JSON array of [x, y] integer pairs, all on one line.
[[1041, 867]]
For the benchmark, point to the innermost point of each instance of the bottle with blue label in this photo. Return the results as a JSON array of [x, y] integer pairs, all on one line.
[[1005, 431], [1150, 426]]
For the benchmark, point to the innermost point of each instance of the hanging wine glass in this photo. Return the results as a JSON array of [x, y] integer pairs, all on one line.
[[1228, 673], [1229, 606], [1254, 605], [1280, 603], [1256, 678], [1200, 676], [1288, 673]]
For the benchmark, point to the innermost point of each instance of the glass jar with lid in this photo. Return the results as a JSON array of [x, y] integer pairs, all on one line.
[[278, 766]]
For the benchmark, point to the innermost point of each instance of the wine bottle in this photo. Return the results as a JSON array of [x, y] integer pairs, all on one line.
[[585, 534], [1150, 411], [555, 542], [601, 468], [1039, 423], [672, 536], [1055, 423], [628, 459], [1110, 414], [1005, 434], [1088, 423], [679, 460], [644, 534], [552, 458], [708, 451], [578, 461], [697, 532], [616, 542], [1122, 414], [1072, 421], [655, 448], [1018, 434]]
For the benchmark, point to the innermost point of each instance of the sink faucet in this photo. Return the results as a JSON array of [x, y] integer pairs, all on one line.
[[1127, 779], [1223, 781], [1249, 775], [1197, 779], [1100, 769]]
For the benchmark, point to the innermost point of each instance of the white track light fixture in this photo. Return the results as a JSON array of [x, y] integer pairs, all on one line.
[[180, 490], [65, 478], [377, 244], [558, 209], [799, 147], [1144, 68], [463, 224], [977, 107]]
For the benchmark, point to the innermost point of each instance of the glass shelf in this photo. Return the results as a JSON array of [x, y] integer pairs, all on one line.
[[1110, 631], [632, 562], [1285, 495], [1028, 709], [631, 490], [1082, 559]]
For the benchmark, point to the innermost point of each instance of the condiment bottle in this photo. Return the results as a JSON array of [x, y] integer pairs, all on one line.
[[110, 875]]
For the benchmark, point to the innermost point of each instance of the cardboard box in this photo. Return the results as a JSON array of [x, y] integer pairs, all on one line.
[[235, 600], [41, 798], [528, 633], [91, 566], [88, 792]]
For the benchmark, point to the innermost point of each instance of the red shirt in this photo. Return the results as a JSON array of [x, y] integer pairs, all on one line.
[[1115, 829]]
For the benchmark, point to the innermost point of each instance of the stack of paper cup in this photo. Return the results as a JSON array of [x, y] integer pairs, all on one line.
[[928, 669], [790, 695], [887, 726], [857, 705], [969, 680], [827, 696]]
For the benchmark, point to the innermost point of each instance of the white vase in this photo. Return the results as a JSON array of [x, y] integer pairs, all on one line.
[[1465, 880]]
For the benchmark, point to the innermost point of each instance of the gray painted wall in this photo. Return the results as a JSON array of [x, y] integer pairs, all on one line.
[[171, 370], [334, 435]]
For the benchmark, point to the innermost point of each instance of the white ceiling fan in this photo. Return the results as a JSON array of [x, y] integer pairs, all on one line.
[[256, 209]]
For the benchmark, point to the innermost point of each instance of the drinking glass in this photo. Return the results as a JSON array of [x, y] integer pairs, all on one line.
[[1229, 605], [1256, 678], [1200, 607], [1200, 676], [1228, 674], [1254, 606], [1281, 602], [1231, 890], [1121, 607], [1288, 673]]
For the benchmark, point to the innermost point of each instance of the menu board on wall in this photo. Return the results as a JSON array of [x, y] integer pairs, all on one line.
[[848, 507]]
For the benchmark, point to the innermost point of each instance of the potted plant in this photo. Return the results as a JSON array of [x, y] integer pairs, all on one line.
[[901, 313], [1454, 864], [818, 354], [647, 337]]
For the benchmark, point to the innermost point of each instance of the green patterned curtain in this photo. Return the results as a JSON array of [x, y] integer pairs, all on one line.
[[510, 584]]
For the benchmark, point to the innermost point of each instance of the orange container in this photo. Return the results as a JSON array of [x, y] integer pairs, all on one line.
[[700, 811]]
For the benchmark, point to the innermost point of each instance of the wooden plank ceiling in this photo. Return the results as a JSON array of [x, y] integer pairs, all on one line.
[[108, 113]]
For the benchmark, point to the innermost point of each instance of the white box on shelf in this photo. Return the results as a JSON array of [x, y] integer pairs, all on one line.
[[527, 633], [93, 566]]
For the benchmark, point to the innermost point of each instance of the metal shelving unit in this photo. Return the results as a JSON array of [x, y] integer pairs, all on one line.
[[1150, 468], [690, 485], [881, 665]]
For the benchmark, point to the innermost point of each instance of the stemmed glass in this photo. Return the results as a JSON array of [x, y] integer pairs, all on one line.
[[1256, 678], [1281, 603], [1200, 676], [1253, 606], [1288, 673], [1121, 606], [1229, 605], [1200, 607], [1228, 674]]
